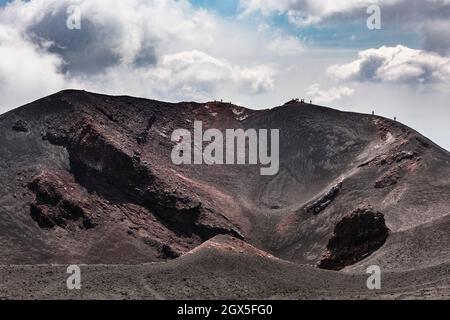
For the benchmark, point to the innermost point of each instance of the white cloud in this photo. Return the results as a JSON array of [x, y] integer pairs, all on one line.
[[326, 96], [309, 12], [398, 64], [191, 75], [436, 36], [127, 28], [265, 6], [26, 71], [286, 45], [162, 49]]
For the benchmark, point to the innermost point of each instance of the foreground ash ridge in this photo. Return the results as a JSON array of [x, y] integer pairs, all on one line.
[[88, 179]]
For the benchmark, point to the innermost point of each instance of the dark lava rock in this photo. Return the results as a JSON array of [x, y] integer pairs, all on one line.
[[20, 126], [168, 252], [356, 237], [54, 206], [390, 178], [98, 157], [405, 155], [323, 202]]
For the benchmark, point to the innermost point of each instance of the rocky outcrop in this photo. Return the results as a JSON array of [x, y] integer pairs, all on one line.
[[356, 237], [20, 126], [58, 202], [390, 178], [393, 164], [324, 201], [114, 168], [389, 159], [142, 137]]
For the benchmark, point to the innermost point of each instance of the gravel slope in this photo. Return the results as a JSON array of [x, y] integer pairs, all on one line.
[[87, 179]]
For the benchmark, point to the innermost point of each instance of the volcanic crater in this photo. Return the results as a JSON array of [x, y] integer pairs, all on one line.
[[88, 179]]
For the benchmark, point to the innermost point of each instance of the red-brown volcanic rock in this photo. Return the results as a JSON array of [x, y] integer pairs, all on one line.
[[87, 178]]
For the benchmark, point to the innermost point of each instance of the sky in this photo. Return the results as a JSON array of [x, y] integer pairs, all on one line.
[[256, 53]]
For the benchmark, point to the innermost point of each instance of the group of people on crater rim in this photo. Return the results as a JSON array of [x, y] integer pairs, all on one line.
[[373, 113], [303, 101], [298, 100]]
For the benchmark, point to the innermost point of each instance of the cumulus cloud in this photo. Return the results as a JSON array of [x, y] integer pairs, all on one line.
[[26, 71], [286, 45], [151, 48], [308, 12], [114, 31], [326, 96], [398, 64], [185, 75], [436, 36]]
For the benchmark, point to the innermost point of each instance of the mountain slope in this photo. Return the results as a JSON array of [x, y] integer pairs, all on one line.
[[87, 178]]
